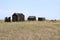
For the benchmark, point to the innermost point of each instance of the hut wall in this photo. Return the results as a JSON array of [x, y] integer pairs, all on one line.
[[14, 18], [7, 19], [31, 18], [41, 19]]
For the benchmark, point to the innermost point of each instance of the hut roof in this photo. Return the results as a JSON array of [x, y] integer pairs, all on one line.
[[31, 17], [18, 14], [41, 17]]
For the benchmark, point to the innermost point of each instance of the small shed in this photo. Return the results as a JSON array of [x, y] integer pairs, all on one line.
[[7, 19], [31, 18], [41, 18], [18, 17]]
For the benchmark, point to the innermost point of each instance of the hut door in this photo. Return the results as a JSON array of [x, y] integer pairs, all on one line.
[[15, 18]]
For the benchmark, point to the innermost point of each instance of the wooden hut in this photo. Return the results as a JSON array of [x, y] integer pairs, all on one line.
[[31, 18], [18, 17], [7, 19], [41, 18]]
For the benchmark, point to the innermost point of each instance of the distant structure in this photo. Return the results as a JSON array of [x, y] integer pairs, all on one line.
[[7, 19], [53, 20], [18, 17], [41, 19], [31, 18]]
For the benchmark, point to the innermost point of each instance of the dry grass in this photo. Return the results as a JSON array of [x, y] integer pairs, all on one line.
[[34, 30]]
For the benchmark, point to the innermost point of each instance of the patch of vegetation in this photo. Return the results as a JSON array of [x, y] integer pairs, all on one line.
[[30, 30]]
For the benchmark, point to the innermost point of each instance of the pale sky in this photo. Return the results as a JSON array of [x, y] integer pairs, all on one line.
[[50, 9]]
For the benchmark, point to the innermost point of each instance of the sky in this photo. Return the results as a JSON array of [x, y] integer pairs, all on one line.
[[50, 9]]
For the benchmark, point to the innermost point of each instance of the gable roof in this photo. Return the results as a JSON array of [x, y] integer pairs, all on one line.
[[18, 14]]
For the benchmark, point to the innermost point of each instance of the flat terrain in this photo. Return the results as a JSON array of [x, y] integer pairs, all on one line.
[[30, 30]]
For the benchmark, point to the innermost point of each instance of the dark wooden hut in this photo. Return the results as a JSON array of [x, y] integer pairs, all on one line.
[[31, 18], [18, 17], [7, 19], [41, 18]]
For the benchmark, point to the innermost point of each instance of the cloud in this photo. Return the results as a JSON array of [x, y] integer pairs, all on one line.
[[4, 13]]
